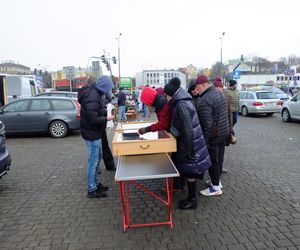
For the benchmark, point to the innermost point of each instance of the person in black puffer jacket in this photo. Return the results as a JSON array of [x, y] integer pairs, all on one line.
[[191, 158], [213, 115], [193, 92], [93, 119]]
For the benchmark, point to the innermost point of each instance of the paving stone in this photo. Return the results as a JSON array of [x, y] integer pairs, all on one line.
[[44, 198]]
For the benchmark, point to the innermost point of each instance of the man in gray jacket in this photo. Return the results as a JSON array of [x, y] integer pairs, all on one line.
[[212, 112]]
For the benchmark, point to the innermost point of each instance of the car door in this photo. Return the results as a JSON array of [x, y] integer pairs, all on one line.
[[294, 106], [14, 116], [39, 115]]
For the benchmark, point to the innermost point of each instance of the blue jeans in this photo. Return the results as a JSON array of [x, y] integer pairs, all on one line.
[[234, 117], [121, 113], [145, 109], [94, 157]]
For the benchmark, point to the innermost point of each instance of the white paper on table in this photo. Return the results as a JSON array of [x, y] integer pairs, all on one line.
[[135, 126], [150, 136]]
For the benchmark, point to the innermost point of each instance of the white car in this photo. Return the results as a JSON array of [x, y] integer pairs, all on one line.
[[290, 110], [259, 102]]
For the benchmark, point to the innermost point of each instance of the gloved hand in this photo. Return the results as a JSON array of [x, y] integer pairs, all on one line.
[[144, 130]]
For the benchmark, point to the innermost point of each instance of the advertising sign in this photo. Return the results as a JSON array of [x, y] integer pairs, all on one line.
[[126, 82]]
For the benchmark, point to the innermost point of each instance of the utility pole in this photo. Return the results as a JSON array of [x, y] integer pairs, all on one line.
[[119, 57], [221, 38]]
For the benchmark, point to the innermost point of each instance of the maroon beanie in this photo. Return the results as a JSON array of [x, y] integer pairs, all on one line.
[[201, 79], [218, 82]]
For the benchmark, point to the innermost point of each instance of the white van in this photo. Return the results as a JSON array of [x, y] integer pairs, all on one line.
[[13, 87]]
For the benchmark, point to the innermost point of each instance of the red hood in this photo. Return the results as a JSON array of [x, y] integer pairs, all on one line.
[[147, 96]]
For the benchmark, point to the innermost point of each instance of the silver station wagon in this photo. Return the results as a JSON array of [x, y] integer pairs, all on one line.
[[259, 102], [56, 115]]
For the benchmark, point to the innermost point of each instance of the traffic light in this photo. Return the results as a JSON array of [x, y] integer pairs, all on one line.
[[103, 59], [107, 66], [114, 60]]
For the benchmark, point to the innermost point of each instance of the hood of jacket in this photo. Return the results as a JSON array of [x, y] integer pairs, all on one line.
[[179, 95], [104, 84]]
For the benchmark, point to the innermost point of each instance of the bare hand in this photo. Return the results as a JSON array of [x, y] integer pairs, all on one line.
[[110, 117]]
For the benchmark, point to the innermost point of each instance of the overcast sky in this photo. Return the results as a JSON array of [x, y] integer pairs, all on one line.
[[156, 34]]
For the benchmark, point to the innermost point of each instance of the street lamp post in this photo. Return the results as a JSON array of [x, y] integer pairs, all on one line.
[[221, 38], [119, 58]]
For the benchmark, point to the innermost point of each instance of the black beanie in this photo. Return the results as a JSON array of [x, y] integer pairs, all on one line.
[[172, 86], [232, 83]]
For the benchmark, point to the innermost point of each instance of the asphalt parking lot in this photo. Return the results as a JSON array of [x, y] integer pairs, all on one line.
[[43, 203]]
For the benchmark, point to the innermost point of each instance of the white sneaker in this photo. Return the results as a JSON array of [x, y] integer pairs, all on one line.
[[209, 184], [211, 191]]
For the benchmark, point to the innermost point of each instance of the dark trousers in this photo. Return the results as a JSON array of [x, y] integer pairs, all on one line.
[[107, 155], [216, 153]]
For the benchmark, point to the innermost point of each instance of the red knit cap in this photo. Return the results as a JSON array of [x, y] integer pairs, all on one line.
[[218, 82], [147, 96], [201, 79]]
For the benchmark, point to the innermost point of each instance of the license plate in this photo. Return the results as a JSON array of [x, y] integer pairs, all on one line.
[[270, 104]]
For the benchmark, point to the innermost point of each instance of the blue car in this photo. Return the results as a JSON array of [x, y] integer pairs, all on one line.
[[5, 159]]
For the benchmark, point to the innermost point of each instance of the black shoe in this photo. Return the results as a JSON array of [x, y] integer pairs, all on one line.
[[100, 187], [111, 169], [96, 194], [188, 203]]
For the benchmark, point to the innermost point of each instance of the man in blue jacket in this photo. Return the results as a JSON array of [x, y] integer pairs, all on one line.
[[93, 119]]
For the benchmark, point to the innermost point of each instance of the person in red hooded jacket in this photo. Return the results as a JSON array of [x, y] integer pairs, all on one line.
[[151, 97]]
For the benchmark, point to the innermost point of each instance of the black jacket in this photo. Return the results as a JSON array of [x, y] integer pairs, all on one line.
[[191, 158], [93, 113], [213, 115], [121, 99]]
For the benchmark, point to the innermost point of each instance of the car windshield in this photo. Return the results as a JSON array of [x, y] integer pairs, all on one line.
[[266, 95]]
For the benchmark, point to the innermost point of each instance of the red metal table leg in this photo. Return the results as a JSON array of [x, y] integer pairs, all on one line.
[[170, 196], [125, 225], [127, 202]]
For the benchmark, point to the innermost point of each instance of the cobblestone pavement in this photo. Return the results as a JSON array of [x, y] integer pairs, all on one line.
[[43, 202]]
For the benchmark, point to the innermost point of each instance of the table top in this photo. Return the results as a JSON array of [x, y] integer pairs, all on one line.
[[142, 167]]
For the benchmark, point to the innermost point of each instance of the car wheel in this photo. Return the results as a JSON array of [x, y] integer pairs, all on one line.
[[285, 115], [244, 111], [269, 114], [58, 129]]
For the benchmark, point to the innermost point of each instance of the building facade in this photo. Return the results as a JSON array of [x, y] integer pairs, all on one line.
[[14, 68], [159, 78]]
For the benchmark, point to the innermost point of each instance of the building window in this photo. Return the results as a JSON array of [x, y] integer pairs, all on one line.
[[166, 81], [147, 74], [166, 75], [150, 74], [298, 78], [285, 78], [277, 78], [148, 81]]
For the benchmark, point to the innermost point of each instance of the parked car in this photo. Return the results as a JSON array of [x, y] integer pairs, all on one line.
[[56, 115], [259, 102], [278, 92], [291, 109], [5, 159], [60, 93]]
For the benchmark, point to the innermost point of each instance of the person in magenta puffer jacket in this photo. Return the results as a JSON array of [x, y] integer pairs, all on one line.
[[150, 97]]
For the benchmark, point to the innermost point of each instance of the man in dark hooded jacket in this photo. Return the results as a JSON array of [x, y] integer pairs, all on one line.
[[93, 119]]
